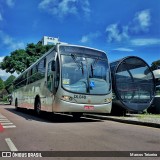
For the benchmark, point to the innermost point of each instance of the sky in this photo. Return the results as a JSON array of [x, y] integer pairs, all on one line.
[[119, 27]]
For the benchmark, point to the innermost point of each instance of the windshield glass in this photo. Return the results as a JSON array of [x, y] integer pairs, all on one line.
[[85, 74]]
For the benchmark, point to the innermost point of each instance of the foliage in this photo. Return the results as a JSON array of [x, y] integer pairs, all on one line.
[[155, 65], [5, 98], [1, 84], [3, 93], [9, 80], [8, 84], [21, 59], [147, 115], [15, 62]]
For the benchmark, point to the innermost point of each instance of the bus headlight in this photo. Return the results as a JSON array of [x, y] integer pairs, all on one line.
[[66, 98], [107, 100]]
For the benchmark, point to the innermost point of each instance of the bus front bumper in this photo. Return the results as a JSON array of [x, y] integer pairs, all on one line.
[[64, 106]]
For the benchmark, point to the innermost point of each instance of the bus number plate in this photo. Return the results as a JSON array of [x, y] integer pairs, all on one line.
[[80, 96], [88, 107]]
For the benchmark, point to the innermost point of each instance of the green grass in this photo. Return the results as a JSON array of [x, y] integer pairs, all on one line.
[[147, 115]]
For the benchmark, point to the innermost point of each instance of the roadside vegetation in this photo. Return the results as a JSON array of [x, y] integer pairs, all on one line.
[[148, 115], [6, 88]]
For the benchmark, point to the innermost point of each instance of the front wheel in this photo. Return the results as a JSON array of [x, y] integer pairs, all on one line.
[[16, 105], [38, 108], [77, 116]]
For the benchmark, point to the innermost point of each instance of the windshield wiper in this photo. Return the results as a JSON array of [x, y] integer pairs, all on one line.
[[92, 70], [80, 65], [93, 66], [87, 86]]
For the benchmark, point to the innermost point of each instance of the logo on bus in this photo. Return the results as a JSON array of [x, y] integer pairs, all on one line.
[[92, 84]]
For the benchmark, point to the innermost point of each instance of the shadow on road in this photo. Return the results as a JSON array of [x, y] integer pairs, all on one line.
[[50, 117]]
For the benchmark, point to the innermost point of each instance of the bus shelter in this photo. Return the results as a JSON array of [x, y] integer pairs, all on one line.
[[133, 85], [155, 107]]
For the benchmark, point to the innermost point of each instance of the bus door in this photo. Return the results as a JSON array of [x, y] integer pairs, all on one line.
[[50, 75], [53, 75], [50, 86]]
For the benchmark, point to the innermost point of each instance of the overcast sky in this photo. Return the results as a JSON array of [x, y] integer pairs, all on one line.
[[119, 27]]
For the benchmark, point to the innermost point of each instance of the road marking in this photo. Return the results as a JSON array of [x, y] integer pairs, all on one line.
[[1, 116], [5, 122], [11, 145], [11, 126]]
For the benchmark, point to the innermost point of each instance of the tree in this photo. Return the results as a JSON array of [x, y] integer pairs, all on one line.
[[15, 62], [21, 59], [3, 94], [9, 80], [1, 84], [155, 65], [8, 84]]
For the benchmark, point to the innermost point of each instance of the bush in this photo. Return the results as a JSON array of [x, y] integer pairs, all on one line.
[[5, 99]]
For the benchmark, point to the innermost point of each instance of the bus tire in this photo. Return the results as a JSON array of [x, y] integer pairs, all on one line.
[[16, 105], [77, 115], [38, 107]]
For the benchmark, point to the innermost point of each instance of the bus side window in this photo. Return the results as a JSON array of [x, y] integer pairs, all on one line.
[[50, 77], [44, 65], [53, 66], [57, 75], [41, 69]]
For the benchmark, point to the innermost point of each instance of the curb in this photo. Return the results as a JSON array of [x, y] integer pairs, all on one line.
[[148, 124]]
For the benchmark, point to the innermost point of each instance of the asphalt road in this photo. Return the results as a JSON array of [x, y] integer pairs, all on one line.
[[23, 131]]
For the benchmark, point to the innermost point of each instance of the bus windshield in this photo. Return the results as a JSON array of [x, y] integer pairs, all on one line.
[[87, 75]]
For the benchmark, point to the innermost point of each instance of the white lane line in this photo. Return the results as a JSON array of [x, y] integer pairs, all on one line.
[[11, 126], [1, 116], [11, 146], [6, 123], [5, 120]]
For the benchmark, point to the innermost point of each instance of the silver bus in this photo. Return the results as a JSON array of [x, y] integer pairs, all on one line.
[[67, 79]]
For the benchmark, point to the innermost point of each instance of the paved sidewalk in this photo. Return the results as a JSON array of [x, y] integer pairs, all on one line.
[[137, 119]]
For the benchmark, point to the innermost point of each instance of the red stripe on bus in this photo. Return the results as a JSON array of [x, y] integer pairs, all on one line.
[[1, 128]]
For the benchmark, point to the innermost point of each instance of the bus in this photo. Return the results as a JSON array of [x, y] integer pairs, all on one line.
[[66, 79]]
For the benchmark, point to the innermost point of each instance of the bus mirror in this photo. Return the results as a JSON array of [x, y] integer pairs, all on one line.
[[53, 68]]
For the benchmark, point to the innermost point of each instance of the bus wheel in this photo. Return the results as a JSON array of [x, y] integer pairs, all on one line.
[[38, 108], [16, 105], [77, 116]]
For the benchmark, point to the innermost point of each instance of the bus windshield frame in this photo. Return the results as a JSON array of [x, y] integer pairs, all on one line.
[[84, 71]]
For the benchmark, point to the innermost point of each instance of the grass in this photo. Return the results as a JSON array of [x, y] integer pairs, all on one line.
[[147, 115]]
